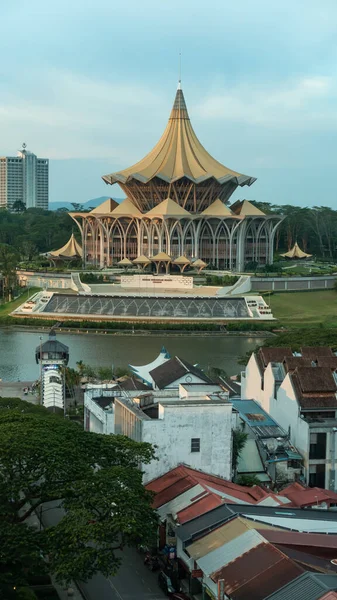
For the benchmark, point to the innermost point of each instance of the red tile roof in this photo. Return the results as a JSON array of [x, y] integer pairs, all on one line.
[[329, 596], [257, 573], [183, 478], [299, 495], [314, 352]]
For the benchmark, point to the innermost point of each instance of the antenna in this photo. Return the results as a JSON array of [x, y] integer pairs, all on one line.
[[179, 80]]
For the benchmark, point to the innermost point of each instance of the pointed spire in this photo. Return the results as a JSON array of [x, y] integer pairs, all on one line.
[[179, 110]]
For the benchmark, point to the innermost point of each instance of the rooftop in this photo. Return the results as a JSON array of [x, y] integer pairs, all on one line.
[[179, 154], [174, 369]]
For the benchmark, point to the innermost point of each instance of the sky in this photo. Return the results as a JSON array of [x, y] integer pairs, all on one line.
[[89, 84]]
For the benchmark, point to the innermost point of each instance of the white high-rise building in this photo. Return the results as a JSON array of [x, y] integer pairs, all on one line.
[[24, 177]]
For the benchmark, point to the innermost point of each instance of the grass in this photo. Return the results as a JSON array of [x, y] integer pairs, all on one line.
[[8, 307], [305, 309]]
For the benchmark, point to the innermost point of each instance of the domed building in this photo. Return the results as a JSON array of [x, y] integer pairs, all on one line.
[[177, 204]]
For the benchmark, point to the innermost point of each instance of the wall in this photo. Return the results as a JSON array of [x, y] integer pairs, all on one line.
[[173, 432], [292, 283], [152, 283], [101, 421], [251, 382]]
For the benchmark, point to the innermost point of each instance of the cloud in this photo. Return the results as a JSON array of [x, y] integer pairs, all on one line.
[[305, 103], [76, 116]]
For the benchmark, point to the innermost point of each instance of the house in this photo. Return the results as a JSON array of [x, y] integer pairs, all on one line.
[[99, 401], [268, 454], [249, 551], [299, 391], [185, 425]]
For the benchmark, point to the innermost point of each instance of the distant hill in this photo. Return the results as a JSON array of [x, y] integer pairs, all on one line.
[[91, 203]]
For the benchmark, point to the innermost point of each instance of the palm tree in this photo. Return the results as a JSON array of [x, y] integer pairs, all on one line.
[[239, 441]]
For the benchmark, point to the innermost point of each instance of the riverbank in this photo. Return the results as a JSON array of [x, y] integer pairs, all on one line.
[[140, 333]]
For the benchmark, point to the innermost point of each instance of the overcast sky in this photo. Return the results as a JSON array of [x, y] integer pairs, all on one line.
[[90, 83]]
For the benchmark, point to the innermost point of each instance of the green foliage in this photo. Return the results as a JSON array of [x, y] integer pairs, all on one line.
[[44, 230], [96, 480], [239, 441], [221, 280], [248, 480], [92, 278]]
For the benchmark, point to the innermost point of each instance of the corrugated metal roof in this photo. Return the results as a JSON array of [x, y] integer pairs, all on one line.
[[249, 460], [217, 538], [308, 586], [257, 573], [310, 525], [213, 561], [182, 501], [248, 408], [296, 538]]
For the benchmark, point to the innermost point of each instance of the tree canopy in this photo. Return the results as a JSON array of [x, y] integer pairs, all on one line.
[[94, 478]]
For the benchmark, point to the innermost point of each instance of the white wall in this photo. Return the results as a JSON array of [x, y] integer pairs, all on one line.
[[188, 378], [101, 421], [172, 434], [251, 382]]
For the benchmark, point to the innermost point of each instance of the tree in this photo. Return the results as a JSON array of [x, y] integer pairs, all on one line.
[[248, 480], [8, 262], [18, 206], [239, 440], [94, 478]]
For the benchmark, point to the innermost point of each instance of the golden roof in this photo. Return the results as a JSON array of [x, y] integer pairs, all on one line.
[[181, 260], [125, 262], [161, 256], [179, 154], [142, 260], [296, 252], [199, 263], [217, 209], [126, 209], [70, 250], [168, 208], [246, 209], [105, 208]]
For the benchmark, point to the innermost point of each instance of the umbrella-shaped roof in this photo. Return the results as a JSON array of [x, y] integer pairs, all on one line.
[[168, 208], [71, 249], [198, 263], [246, 209], [296, 252], [141, 260], [126, 209], [105, 208], [161, 256], [181, 260], [217, 209], [179, 154], [124, 262]]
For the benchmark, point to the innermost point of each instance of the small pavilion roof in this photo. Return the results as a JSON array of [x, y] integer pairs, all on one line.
[[71, 249], [168, 208], [296, 252], [161, 256], [198, 263], [181, 260], [124, 261], [141, 260], [179, 154], [217, 209], [126, 209], [246, 209], [105, 208]]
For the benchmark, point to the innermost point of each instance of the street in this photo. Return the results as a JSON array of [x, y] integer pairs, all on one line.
[[134, 581]]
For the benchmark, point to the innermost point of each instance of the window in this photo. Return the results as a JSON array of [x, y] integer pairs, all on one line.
[[195, 444], [317, 446]]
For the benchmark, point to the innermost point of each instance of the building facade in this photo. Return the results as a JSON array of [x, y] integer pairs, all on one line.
[[195, 430], [177, 204], [300, 393], [24, 178]]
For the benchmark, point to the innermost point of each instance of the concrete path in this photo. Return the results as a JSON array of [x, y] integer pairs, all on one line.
[[14, 389]]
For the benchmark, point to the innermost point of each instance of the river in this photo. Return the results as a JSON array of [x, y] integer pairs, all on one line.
[[17, 350]]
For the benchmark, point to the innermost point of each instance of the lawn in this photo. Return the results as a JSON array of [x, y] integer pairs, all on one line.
[[8, 307], [303, 309]]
